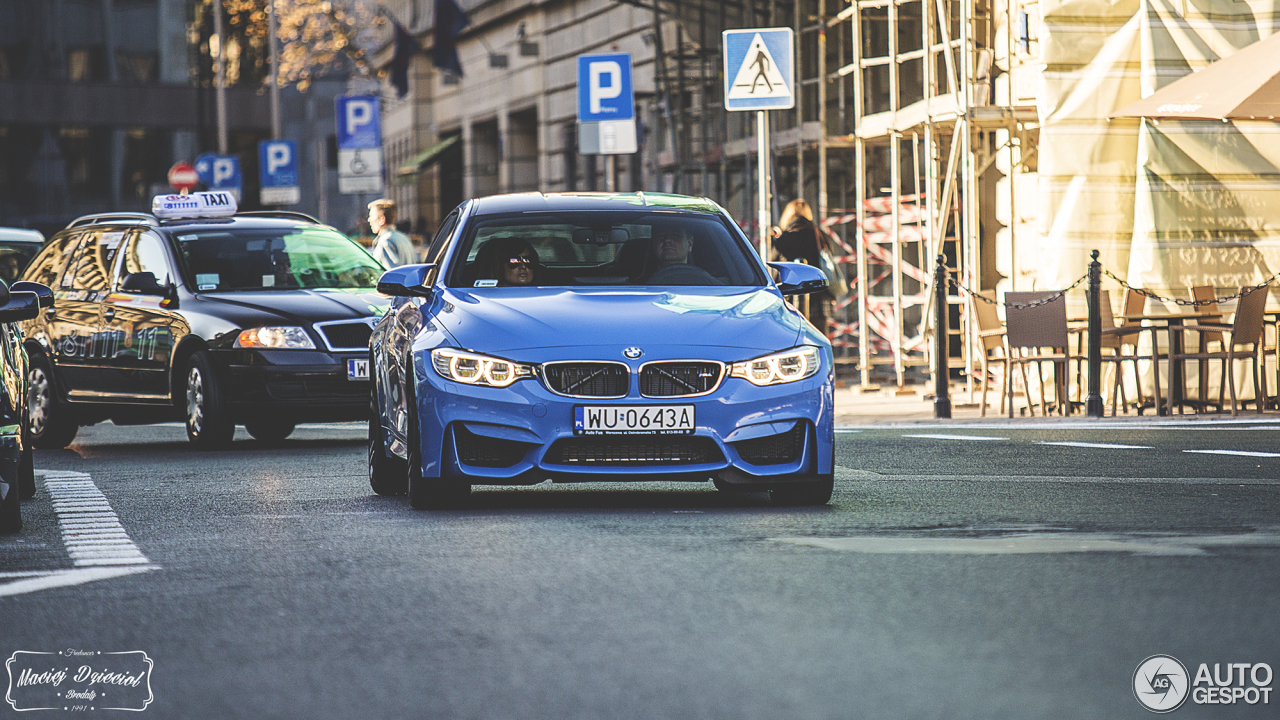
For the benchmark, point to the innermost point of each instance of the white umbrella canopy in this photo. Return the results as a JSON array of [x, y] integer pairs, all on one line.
[[1244, 86]]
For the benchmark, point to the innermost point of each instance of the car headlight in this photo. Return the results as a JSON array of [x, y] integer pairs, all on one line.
[[475, 369], [289, 337], [784, 367]]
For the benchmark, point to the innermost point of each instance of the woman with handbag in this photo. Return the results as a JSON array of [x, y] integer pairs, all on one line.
[[797, 239]]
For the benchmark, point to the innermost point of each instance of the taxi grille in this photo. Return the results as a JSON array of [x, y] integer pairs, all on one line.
[[773, 449], [347, 336], [588, 379], [634, 450], [677, 379]]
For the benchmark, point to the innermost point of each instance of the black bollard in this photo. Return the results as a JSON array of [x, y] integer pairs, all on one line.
[[942, 337], [1094, 403]]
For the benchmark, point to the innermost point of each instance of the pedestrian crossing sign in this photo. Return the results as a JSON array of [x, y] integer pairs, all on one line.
[[758, 69]]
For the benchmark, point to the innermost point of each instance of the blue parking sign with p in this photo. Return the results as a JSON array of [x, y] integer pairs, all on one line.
[[218, 172], [278, 163], [604, 88], [359, 127]]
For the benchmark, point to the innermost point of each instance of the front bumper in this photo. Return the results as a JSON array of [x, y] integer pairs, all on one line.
[[295, 385], [523, 434]]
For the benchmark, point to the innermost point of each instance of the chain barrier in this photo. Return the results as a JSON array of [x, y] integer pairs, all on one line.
[[1193, 303], [1019, 306]]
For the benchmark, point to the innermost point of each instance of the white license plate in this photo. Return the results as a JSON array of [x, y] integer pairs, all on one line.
[[633, 420], [357, 369]]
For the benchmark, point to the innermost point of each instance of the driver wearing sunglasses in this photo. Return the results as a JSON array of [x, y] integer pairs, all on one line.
[[515, 262]]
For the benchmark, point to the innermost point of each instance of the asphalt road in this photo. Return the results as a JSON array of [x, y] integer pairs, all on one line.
[[976, 574]]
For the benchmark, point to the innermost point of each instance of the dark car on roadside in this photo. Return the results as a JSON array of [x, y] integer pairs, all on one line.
[[201, 314], [17, 247], [22, 301]]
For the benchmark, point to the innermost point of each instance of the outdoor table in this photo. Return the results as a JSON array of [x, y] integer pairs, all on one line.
[[1175, 346]]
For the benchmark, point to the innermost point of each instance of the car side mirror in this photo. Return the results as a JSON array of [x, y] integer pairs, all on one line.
[[798, 278], [407, 281], [143, 283], [41, 290], [19, 306]]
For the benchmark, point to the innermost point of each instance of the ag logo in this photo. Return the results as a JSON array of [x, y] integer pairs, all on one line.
[[1160, 683]]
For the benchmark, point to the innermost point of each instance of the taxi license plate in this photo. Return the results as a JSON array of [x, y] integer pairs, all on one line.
[[633, 420], [358, 369]]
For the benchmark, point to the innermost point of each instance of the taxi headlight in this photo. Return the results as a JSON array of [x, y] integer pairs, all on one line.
[[289, 337], [475, 369], [784, 367]]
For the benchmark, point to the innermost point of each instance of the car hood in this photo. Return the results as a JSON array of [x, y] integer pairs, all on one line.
[[306, 306], [504, 319]]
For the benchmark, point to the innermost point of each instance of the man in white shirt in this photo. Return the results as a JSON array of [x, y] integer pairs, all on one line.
[[391, 247]]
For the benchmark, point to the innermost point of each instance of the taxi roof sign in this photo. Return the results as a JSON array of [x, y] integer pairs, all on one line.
[[207, 204]]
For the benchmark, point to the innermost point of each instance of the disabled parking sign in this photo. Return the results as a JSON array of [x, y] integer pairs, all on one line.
[[759, 71]]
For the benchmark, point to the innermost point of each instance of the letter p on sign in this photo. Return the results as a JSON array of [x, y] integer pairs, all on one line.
[[598, 91], [278, 156], [359, 112]]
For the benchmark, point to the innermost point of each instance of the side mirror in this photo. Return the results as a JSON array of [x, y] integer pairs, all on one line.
[[407, 281], [20, 306], [41, 290], [143, 283], [798, 278]]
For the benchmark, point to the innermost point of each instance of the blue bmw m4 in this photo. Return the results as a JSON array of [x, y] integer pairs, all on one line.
[[598, 337]]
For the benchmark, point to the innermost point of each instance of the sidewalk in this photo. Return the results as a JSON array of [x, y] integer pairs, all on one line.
[[915, 407]]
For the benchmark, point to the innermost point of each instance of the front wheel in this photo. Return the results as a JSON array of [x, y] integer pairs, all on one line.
[[387, 475], [52, 424], [27, 475], [208, 423], [430, 493], [11, 510], [808, 492], [269, 431]]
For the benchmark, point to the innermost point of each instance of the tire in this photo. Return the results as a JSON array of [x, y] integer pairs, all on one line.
[[387, 475], [11, 510], [809, 492], [26, 475], [269, 431], [52, 423], [209, 425], [430, 493]]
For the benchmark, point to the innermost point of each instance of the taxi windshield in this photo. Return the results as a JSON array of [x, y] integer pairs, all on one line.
[[275, 259]]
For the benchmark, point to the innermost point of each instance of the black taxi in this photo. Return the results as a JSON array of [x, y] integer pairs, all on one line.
[[196, 312]]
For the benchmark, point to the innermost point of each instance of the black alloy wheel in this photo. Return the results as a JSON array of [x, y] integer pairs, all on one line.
[[440, 493], [52, 424], [388, 475]]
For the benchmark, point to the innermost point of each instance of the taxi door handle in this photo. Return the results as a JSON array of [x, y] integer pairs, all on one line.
[[108, 313]]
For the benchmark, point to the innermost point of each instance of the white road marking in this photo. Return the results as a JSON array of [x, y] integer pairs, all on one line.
[[956, 437], [1103, 446], [95, 540], [1241, 453], [1037, 543]]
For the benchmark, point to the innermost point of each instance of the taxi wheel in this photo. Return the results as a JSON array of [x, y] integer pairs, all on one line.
[[27, 475], [269, 431], [52, 424], [208, 425], [430, 493], [387, 475], [814, 492]]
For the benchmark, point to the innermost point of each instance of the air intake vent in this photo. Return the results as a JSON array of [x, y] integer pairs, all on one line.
[[773, 449], [679, 379], [480, 451], [634, 450], [588, 379], [347, 335]]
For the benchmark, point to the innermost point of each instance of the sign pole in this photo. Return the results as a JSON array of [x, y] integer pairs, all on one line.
[[762, 182], [610, 171]]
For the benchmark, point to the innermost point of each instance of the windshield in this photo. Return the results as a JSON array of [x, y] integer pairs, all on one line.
[[14, 257], [602, 248], [261, 259]]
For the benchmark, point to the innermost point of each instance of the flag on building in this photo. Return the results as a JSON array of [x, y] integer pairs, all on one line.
[[450, 20], [406, 48]]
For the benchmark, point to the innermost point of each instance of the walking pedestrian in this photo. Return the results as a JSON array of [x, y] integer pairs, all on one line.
[[391, 247]]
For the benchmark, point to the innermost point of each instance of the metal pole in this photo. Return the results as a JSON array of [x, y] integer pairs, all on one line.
[[1095, 337], [762, 181], [941, 343], [220, 78], [822, 117], [272, 35], [610, 171]]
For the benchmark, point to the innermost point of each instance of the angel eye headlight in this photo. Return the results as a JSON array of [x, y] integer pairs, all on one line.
[[275, 336], [784, 367], [476, 369]]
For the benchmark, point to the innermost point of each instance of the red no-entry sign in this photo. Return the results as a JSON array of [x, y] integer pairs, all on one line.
[[182, 176]]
